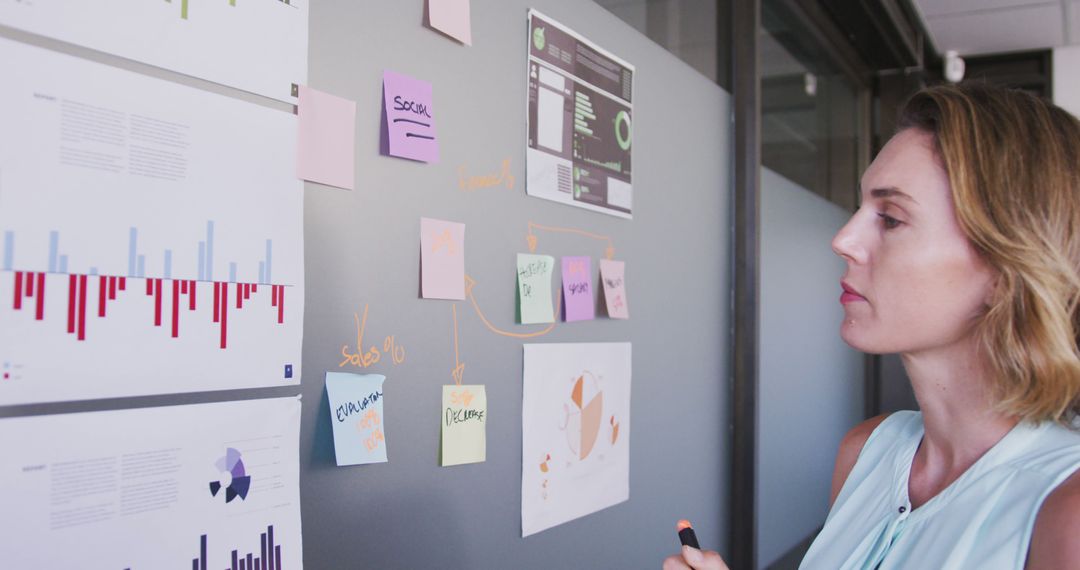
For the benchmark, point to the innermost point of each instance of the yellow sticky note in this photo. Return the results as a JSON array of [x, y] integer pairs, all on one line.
[[464, 425]]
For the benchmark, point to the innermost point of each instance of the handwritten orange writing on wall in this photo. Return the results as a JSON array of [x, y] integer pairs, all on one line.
[[363, 358], [470, 183]]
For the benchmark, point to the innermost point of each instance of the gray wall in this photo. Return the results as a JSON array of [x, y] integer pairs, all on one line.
[[361, 247], [811, 389]]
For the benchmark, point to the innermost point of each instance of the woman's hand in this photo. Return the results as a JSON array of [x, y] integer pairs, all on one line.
[[694, 559]]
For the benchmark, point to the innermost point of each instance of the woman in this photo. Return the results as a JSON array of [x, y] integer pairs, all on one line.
[[964, 257]]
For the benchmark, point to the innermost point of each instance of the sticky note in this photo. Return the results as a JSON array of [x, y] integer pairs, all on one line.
[[442, 259], [451, 17], [409, 118], [534, 288], [326, 141], [464, 425], [356, 412], [612, 274], [578, 289]]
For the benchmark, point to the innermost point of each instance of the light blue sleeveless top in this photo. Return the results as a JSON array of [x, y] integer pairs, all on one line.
[[982, 520]]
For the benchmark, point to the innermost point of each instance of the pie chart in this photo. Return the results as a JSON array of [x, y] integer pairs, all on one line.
[[585, 414], [235, 480]]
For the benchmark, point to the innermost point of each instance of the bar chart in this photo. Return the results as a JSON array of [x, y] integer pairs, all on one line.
[[29, 286], [151, 240], [268, 557]]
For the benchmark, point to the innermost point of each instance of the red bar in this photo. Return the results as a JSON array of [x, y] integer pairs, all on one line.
[[82, 307], [40, 296], [247, 291], [224, 311], [273, 295], [183, 287], [217, 302], [149, 287], [191, 296], [18, 290], [112, 288], [254, 288], [175, 309], [123, 283], [157, 302], [102, 292], [73, 289], [239, 296], [29, 283], [281, 304]]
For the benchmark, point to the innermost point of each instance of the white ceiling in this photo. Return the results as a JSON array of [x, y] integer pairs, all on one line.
[[974, 27]]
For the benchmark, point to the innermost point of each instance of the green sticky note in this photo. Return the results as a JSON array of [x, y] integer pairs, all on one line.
[[534, 288], [464, 425]]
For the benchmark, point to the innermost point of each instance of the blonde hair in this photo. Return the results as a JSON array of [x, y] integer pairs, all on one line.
[[1013, 162]]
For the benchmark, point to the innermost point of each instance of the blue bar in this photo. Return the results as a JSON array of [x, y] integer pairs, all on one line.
[[210, 250], [93, 271], [63, 264], [9, 249], [202, 261], [142, 266], [269, 258], [168, 264], [232, 272], [262, 272], [133, 238], [54, 244]]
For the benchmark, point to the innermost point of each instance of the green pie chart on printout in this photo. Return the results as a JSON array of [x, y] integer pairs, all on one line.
[[621, 119], [538, 38]]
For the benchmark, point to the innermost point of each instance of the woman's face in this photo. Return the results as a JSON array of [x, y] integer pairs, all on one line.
[[913, 281]]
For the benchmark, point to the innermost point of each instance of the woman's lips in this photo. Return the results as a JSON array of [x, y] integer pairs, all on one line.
[[850, 295]]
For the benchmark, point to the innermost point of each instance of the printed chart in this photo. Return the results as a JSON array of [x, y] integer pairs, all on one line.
[[575, 431], [151, 236], [579, 121], [135, 488], [255, 45]]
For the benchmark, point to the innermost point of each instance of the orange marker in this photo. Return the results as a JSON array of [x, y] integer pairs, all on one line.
[[686, 534]]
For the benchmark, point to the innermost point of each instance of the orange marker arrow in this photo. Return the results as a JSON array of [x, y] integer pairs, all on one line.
[[470, 283], [609, 252], [459, 367]]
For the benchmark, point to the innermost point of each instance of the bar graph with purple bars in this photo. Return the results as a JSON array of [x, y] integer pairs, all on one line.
[[268, 557]]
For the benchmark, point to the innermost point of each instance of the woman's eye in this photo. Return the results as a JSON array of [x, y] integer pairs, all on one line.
[[888, 221]]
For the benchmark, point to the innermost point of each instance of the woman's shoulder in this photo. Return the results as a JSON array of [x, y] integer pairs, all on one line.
[[1053, 540], [850, 447]]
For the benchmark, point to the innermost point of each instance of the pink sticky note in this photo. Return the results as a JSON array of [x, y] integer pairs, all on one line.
[[613, 273], [577, 288], [451, 17], [409, 118], [326, 142], [442, 259]]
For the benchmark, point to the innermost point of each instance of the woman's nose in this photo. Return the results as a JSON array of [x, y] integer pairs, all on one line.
[[846, 242]]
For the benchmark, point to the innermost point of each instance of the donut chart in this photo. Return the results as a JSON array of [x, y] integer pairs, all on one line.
[[237, 483]]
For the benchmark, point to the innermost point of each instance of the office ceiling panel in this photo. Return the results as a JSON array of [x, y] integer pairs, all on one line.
[[975, 27], [931, 8]]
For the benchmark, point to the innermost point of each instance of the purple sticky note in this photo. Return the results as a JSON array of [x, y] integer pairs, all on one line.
[[409, 118], [577, 288], [612, 274], [442, 259]]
